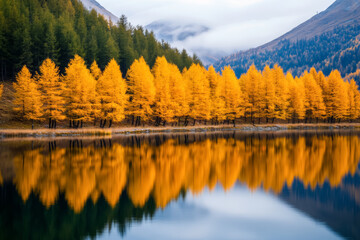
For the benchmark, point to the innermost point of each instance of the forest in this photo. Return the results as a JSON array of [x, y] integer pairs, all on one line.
[[336, 49], [33, 30], [164, 95]]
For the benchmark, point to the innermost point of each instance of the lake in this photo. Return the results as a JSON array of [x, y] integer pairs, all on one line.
[[218, 185]]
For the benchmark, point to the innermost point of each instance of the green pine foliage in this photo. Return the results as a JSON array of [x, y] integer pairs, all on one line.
[[33, 30]]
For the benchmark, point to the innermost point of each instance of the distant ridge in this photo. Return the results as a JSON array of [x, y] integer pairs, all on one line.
[[328, 40]]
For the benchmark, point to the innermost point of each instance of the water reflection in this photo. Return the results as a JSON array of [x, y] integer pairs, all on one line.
[[127, 179]]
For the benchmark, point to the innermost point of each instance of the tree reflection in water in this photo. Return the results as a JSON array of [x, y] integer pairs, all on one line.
[[103, 181]]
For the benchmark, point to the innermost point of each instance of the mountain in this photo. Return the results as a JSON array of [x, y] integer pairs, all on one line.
[[92, 4], [327, 41]]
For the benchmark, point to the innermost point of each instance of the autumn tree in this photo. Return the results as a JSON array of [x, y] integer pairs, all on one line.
[[27, 97], [354, 100], [95, 70], [232, 95], [216, 95], [296, 107], [141, 91], [178, 88], [269, 96], [162, 110], [253, 90], [337, 98], [52, 89], [80, 91], [112, 93], [281, 92], [314, 105], [198, 88]]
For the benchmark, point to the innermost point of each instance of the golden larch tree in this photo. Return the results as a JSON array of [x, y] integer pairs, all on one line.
[[337, 97], [354, 100], [163, 107], [314, 105], [269, 97], [96, 111], [80, 91], [216, 95], [296, 107], [281, 92], [141, 91], [177, 88], [27, 97], [253, 93], [232, 95], [199, 92], [52, 89], [111, 88]]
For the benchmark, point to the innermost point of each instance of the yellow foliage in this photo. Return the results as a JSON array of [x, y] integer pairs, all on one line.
[[232, 95], [198, 87], [111, 88], [52, 90], [142, 90], [80, 90], [163, 104], [27, 97]]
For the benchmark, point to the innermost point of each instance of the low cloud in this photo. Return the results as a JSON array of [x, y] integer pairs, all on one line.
[[233, 24]]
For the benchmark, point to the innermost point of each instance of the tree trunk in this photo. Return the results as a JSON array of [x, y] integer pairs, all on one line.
[[104, 123], [81, 123], [32, 124], [110, 123], [70, 126], [49, 122], [194, 122], [234, 122]]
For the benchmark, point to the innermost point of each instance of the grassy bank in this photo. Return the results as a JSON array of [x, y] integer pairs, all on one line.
[[91, 131]]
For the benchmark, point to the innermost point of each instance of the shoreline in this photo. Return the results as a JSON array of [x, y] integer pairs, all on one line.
[[116, 131]]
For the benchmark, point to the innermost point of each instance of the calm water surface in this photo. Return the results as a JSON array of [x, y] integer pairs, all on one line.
[[182, 186]]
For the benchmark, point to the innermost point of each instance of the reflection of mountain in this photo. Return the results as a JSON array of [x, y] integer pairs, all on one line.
[[338, 207]]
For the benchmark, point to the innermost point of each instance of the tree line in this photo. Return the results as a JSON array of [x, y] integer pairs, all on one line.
[[33, 30], [164, 95]]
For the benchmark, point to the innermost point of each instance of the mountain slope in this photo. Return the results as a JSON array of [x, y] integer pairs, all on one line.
[[322, 42], [92, 4]]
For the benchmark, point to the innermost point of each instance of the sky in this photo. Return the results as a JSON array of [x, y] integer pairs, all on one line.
[[234, 24]]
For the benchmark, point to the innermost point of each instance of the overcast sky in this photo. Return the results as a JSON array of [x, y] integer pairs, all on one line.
[[234, 24]]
